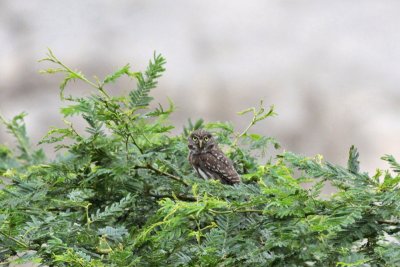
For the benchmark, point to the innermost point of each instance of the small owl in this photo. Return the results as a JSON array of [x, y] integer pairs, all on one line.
[[208, 160]]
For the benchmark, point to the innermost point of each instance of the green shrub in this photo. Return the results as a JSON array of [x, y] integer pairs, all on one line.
[[123, 194]]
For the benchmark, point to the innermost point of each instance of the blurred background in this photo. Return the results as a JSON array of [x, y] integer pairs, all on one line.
[[331, 68]]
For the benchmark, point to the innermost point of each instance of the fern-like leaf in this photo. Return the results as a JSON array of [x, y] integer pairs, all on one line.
[[125, 70], [113, 233], [113, 210], [393, 163], [353, 165], [140, 97]]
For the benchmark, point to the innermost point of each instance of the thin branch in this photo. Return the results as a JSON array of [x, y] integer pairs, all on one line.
[[250, 210], [14, 239], [253, 121], [258, 115], [180, 197], [173, 177], [54, 59], [134, 141], [118, 122], [389, 222], [237, 210]]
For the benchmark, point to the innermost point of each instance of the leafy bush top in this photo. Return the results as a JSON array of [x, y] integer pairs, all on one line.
[[123, 193]]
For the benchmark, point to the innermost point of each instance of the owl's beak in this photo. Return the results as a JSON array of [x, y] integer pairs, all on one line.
[[201, 143]]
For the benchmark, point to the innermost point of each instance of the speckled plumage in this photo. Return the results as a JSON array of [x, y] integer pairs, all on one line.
[[208, 160]]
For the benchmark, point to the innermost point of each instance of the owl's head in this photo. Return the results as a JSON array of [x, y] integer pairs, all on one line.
[[201, 141]]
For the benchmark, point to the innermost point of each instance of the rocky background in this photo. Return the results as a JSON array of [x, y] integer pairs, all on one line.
[[331, 68]]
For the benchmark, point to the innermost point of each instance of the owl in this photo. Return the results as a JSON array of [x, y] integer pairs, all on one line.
[[208, 160]]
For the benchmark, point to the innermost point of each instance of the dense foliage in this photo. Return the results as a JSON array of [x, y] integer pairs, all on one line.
[[122, 193]]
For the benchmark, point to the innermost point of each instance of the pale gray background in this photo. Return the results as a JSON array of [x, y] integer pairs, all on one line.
[[331, 68]]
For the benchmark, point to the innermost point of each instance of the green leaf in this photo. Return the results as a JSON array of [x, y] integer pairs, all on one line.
[[353, 165], [393, 163], [125, 70], [112, 233], [147, 81]]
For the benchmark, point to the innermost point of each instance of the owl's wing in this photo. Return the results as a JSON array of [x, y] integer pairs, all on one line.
[[222, 166]]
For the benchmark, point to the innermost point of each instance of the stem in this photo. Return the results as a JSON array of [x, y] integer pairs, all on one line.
[[258, 115], [120, 120], [176, 178], [236, 210], [253, 121], [388, 222], [251, 210], [180, 197], [133, 140], [127, 149], [54, 59], [173, 177], [87, 215], [198, 235], [100, 88], [3, 120], [14, 239]]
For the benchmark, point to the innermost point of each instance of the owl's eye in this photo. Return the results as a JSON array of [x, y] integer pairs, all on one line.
[[195, 139], [206, 139]]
